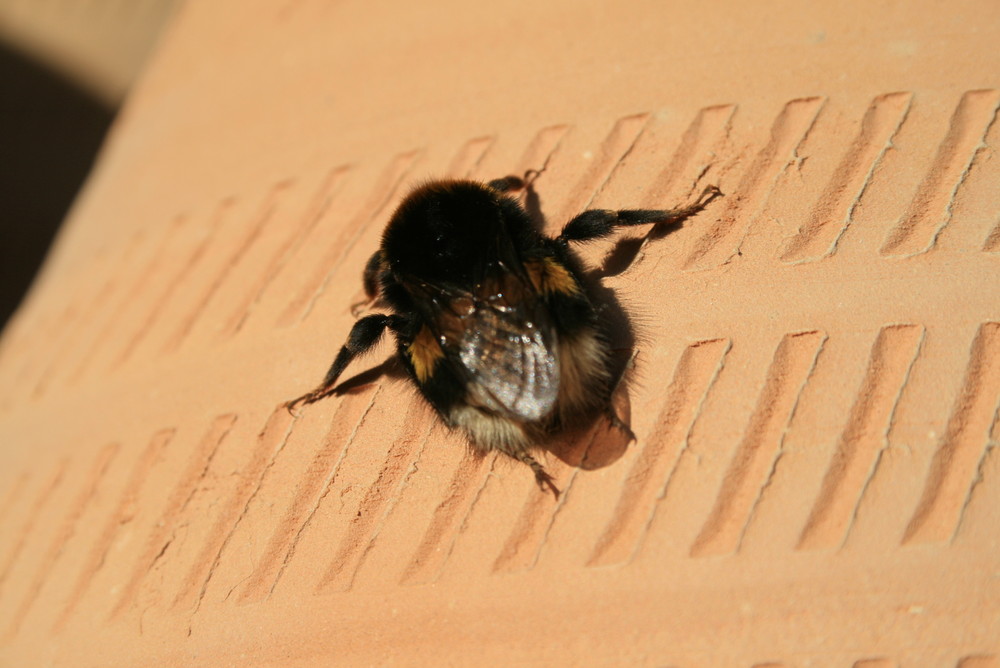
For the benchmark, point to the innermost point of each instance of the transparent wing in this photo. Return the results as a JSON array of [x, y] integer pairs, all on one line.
[[501, 338]]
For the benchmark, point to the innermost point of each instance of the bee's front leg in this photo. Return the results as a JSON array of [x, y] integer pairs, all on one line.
[[363, 337], [599, 223]]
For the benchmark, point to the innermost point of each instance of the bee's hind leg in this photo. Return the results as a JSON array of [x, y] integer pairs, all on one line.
[[619, 392], [619, 424]]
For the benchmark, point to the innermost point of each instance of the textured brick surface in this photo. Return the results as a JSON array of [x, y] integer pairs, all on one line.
[[817, 373]]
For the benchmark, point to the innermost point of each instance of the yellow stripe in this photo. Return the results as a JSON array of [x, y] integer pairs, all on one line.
[[424, 353]]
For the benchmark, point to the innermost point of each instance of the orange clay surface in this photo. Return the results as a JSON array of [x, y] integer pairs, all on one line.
[[816, 478]]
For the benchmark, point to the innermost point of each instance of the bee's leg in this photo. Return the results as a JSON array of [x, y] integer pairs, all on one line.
[[542, 476], [610, 410], [373, 269], [370, 280], [598, 223], [363, 337], [615, 421]]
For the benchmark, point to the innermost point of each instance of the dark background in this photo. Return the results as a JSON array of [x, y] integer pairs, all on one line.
[[50, 132]]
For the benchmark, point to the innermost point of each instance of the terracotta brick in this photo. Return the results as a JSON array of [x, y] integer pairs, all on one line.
[[816, 370]]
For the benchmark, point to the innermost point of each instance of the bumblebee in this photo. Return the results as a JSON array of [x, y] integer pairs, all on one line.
[[493, 321]]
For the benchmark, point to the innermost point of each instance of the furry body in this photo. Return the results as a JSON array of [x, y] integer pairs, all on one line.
[[493, 320]]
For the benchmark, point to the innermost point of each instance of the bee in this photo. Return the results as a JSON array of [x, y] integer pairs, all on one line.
[[494, 322]]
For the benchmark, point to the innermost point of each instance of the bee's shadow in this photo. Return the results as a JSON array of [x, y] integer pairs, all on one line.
[[390, 369], [598, 442], [595, 443]]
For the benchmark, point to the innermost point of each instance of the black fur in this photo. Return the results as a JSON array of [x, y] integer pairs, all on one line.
[[493, 320]]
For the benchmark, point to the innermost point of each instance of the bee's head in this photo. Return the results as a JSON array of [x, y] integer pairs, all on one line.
[[444, 232]]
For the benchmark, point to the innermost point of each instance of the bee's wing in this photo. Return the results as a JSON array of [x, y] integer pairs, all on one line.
[[501, 338]]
